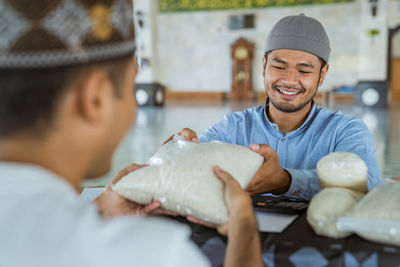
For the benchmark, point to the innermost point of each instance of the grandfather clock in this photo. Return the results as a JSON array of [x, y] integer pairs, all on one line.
[[242, 56]]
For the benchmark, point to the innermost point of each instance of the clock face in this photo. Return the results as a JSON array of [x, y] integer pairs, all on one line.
[[241, 53]]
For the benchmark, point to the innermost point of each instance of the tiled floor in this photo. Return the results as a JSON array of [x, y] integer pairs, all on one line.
[[155, 124]]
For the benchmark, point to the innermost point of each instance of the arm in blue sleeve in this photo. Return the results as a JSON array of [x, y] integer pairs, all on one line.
[[305, 184], [356, 138], [216, 132], [210, 134]]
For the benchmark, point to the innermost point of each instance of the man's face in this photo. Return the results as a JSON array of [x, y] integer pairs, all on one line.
[[292, 78], [125, 105], [122, 114]]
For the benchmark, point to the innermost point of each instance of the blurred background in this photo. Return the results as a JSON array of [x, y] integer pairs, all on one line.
[[202, 59]]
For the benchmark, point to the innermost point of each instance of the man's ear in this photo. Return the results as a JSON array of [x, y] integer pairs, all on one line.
[[322, 76], [93, 95], [264, 65]]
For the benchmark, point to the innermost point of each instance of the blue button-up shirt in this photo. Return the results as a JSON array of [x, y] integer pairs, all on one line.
[[299, 151]]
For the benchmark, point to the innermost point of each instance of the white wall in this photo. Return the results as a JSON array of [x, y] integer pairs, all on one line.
[[194, 47], [394, 20], [373, 49], [146, 39]]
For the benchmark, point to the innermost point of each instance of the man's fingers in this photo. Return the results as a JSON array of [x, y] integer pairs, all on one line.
[[264, 150], [189, 135], [251, 187], [130, 168], [154, 208], [149, 208], [195, 220], [224, 176], [252, 191], [223, 229], [161, 211], [168, 140], [258, 178]]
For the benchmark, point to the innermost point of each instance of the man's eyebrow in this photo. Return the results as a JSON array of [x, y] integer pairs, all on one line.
[[279, 61], [305, 65]]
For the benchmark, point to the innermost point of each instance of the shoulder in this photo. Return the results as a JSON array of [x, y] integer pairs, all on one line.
[[146, 231], [247, 114], [146, 237], [59, 216], [337, 119], [233, 125], [135, 239]]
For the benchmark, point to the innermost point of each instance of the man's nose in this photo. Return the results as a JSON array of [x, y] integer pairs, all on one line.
[[290, 79]]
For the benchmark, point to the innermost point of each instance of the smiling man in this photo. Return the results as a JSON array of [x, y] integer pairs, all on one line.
[[290, 130]]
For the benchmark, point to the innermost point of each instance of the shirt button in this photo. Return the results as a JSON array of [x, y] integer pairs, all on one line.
[[274, 127], [283, 139]]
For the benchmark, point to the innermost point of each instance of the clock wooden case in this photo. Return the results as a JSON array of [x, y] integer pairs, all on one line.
[[242, 57]]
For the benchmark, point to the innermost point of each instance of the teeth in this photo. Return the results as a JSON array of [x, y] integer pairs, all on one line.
[[288, 93]]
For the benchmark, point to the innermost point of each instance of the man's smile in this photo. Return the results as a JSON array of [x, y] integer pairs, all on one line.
[[288, 92]]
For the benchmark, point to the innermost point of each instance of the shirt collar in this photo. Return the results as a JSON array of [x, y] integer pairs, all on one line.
[[274, 126], [30, 177]]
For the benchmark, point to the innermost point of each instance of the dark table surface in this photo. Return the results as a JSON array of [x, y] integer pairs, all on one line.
[[299, 246]]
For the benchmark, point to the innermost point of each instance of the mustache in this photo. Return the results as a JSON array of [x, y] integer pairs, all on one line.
[[284, 86]]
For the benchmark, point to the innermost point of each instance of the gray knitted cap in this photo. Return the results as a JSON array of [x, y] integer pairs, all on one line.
[[299, 33]]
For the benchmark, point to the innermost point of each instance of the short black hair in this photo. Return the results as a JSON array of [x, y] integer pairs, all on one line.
[[29, 97]]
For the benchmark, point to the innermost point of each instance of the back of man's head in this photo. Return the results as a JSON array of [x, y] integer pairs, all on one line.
[[299, 32], [47, 45]]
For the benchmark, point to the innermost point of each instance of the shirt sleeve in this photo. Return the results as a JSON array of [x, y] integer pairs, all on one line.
[[305, 184], [188, 255], [216, 132], [130, 241], [354, 137]]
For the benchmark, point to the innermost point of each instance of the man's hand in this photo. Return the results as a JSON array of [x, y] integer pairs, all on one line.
[[111, 204], [187, 133], [237, 202], [244, 246], [270, 177]]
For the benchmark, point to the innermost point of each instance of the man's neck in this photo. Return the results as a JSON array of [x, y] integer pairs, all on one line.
[[288, 121], [47, 155]]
